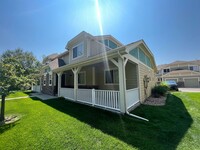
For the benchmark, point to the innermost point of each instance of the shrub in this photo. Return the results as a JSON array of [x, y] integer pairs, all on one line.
[[159, 90]]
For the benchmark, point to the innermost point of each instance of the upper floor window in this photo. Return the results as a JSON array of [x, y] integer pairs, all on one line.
[[194, 68], [109, 43], [78, 50], [139, 54], [166, 70]]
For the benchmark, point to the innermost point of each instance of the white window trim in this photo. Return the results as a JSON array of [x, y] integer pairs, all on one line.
[[105, 76], [50, 74], [73, 51], [84, 72]]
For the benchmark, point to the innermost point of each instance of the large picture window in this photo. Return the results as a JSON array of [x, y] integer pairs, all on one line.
[[111, 76], [78, 50]]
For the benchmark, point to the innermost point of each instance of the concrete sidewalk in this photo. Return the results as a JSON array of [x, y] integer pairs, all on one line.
[[17, 98], [189, 89], [43, 96]]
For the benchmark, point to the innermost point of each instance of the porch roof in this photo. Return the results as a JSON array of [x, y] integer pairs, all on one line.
[[95, 59]]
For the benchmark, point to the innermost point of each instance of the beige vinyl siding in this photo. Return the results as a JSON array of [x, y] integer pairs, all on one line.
[[144, 70], [66, 58], [97, 48]]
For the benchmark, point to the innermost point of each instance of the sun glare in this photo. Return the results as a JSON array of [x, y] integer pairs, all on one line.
[[101, 32], [99, 16]]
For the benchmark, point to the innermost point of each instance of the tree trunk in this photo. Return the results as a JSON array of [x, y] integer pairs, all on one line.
[[2, 117]]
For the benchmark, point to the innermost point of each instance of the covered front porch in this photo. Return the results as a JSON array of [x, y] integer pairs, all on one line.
[[112, 84]]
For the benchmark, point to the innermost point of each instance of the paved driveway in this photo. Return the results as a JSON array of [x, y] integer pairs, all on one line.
[[189, 89]]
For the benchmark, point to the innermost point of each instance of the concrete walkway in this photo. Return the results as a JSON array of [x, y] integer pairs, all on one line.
[[43, 96], [17, 98], [189, 89]]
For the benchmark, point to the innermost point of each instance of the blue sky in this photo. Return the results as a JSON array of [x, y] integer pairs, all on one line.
[[171, 28]]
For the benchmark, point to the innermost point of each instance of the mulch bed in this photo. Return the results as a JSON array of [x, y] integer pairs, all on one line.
[[155, 101], [10, 119]]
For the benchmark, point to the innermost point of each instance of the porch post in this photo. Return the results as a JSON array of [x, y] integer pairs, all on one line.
[[59, 82], [122, 84], [76, 71]]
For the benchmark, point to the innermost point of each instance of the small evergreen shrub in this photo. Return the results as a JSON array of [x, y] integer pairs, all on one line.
[[159, 90]]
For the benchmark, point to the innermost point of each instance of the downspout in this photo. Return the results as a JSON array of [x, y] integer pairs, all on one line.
[[129, 114]]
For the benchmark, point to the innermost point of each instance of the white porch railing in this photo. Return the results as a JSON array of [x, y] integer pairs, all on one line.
[[107, 99], [132, 97], [67, 93], [102, 98], [84, 95], [36, 88]]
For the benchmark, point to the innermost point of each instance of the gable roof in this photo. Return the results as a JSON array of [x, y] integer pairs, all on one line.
[[181, 73], [56, 63], [138, 43], [176, 63], [50, 57]]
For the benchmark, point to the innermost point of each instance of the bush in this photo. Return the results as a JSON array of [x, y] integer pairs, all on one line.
[[159, 90]]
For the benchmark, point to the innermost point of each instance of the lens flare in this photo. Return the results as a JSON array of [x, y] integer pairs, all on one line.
[[98, 12]]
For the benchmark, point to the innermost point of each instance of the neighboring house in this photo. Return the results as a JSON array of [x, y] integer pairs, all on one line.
[[100, 71], [185, 73]]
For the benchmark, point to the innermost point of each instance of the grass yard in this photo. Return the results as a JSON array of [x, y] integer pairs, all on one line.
[[60, 124]]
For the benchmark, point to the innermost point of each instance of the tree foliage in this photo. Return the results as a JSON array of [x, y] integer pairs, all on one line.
[[18, 70]]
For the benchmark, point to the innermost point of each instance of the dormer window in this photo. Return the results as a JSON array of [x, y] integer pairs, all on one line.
[[78, 50]]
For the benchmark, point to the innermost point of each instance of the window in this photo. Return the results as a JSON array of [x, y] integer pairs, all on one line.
[[81, 78], [134, 52], [78, 50], [166, 70], [142, 56], [109, 43], [139, 54], [44, 80], [50, 79], [112, 44], [194, 68], [111, 76]]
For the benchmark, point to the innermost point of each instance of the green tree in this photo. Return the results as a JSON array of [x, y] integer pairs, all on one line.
[[18, 70]]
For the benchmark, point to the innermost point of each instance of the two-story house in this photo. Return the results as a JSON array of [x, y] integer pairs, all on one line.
[[185, 73], [100, 71]]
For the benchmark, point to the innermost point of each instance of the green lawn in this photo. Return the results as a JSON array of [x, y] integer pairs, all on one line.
[[60, 124]]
